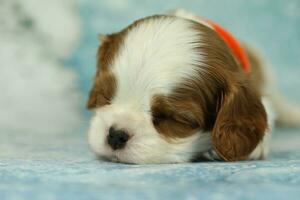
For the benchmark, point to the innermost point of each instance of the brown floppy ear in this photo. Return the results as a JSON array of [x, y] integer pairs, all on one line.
[[103, 89], [240, 124], [104, 82], [92, 100]]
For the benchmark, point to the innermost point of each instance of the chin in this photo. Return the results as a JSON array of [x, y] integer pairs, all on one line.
[[177, 88]]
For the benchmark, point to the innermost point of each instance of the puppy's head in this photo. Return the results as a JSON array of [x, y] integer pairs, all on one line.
[[168, 89]]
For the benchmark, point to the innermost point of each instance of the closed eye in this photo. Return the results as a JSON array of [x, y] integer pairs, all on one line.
[[157, 118], [162, 117]]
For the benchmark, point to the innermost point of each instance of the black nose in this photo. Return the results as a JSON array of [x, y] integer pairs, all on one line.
[[117, 138]]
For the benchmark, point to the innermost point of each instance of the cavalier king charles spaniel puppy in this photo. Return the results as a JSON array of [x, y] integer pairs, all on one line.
[[178, 88]]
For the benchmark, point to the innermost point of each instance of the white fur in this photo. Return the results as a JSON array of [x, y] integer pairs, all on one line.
[[156, 56], [145, 145]]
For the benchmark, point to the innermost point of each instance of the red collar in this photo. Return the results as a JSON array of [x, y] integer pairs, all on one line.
[[233, 44]]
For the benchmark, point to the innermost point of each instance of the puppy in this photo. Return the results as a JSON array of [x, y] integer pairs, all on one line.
[[177, 88]]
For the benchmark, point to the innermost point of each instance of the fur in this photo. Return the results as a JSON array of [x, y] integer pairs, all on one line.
[[175, 87]]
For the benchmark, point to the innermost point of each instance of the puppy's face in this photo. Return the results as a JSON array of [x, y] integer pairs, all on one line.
[[167, 90]]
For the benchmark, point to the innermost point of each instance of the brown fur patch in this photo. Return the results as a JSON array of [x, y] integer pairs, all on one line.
[[103, 90], [240, 124], [105, 83], [198, 97], [241, 119], [223, 100], [109, 49], [173, 117]]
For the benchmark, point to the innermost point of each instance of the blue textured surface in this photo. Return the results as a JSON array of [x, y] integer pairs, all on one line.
[[61, 166]]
